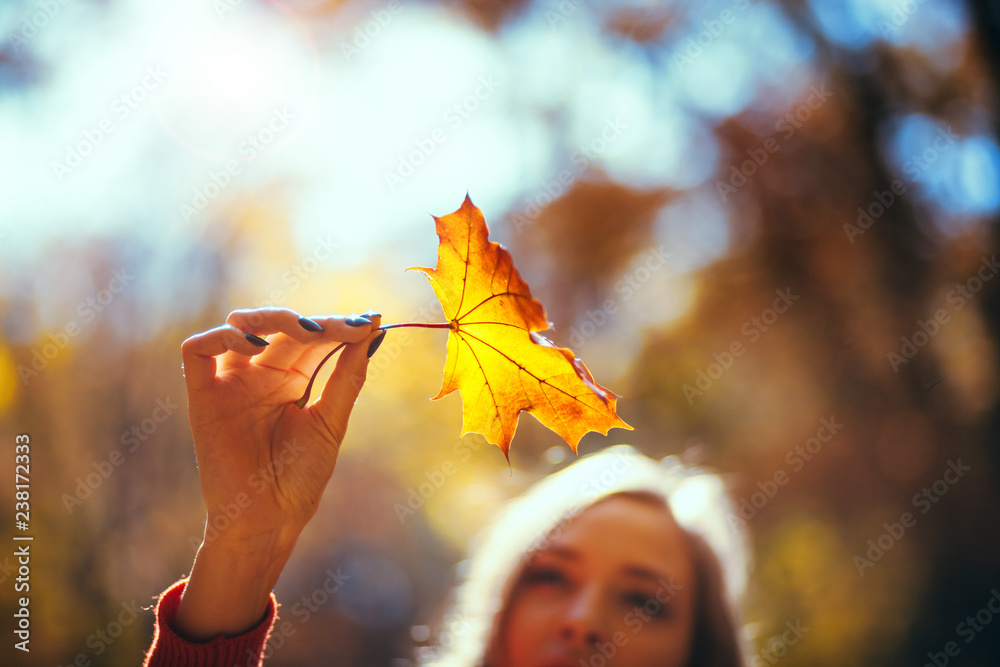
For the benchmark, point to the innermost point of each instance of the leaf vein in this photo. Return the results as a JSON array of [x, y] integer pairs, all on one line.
[[544, 381]]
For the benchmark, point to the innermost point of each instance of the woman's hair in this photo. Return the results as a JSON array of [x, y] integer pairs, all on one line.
[[697, 501]]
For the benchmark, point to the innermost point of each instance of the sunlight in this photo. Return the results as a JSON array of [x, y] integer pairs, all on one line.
[[230, 78], [228, 75]]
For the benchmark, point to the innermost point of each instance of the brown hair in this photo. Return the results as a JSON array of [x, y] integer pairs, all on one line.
[[715, 641], [715, 637], [695, 498]]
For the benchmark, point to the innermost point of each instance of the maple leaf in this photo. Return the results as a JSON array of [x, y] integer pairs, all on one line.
[[497, 361]]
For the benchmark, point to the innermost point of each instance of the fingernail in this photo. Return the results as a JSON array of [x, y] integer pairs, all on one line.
[[309, 325], [256, 340], [357, 321], [373, 346], [371, 313]]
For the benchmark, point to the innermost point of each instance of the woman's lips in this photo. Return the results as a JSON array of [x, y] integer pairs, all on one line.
[[565, 661]]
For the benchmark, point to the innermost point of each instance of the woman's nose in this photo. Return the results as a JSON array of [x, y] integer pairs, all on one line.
[[583, 624]]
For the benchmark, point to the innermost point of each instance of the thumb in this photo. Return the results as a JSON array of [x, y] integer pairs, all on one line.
[[341, 391]]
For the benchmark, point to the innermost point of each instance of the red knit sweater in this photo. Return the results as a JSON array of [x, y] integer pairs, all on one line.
[[171, 650]]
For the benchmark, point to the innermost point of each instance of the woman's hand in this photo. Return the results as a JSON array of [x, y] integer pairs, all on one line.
[[263, 462]]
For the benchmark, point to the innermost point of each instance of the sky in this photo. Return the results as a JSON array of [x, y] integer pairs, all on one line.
[[162, 123]]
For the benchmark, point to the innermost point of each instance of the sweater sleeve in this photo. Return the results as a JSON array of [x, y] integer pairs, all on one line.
[[171, 650]]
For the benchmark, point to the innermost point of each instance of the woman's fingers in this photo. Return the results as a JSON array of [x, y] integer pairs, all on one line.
[[341, 391], [198, 352], [300, 341], [263, 321], [300, 348]]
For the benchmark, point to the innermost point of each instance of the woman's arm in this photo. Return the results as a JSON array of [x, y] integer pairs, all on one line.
[[262, 461]]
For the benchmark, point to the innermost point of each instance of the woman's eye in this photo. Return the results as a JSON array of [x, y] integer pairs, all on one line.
[[545, 576], [647, 605]]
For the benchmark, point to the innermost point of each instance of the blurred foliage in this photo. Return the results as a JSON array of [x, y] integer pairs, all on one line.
[[646, 329]]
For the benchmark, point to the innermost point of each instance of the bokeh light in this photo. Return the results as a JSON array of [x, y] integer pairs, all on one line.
[[746, 216]]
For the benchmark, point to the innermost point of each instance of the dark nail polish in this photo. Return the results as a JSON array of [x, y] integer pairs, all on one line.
[[309, 325], [256, 340], [357, 321], [373, 346], [371, 313]]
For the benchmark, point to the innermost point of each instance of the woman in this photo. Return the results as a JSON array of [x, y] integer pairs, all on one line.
[[597, 565]]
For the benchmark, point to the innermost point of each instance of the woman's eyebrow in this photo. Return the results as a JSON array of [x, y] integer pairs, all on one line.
[[567, 553], [642, 572]]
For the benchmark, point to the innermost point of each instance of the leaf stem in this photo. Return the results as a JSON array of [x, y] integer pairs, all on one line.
[[305, 397], [422, 325], [302, 402]]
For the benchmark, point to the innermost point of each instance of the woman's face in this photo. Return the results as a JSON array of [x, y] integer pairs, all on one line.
[[613, 587]]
